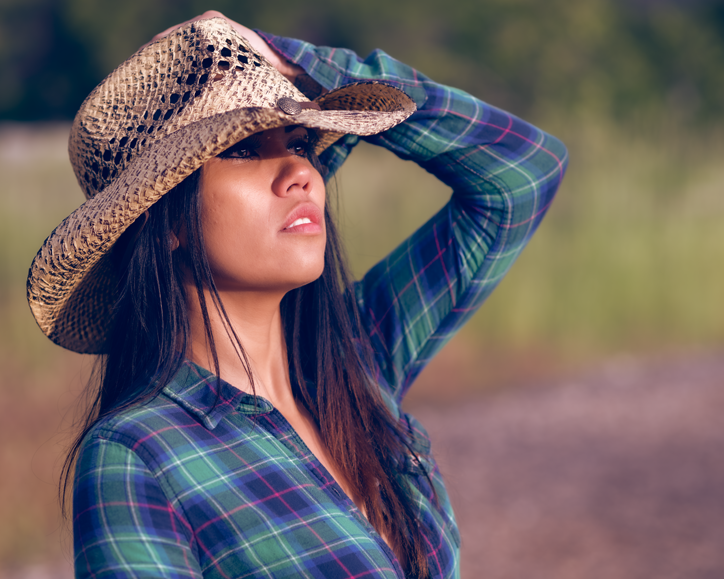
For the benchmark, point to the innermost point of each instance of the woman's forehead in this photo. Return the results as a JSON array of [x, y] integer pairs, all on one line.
[[271, 133]]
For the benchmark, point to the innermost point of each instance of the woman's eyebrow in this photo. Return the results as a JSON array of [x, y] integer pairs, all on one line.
[[251, 142], [290, 128]]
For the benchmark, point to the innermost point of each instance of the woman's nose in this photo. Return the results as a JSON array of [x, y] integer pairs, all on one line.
[[294, 175]]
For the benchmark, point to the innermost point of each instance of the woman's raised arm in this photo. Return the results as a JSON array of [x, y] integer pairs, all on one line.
[[504, 173]]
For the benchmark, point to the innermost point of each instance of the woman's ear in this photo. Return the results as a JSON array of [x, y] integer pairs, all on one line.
[[173, 241]]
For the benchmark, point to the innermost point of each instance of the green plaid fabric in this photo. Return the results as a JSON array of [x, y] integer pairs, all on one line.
[[200, 483]]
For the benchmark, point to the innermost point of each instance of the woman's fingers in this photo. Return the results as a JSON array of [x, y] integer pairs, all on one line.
[[287, 68]]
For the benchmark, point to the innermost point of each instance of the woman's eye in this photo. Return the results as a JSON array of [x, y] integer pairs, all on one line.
[[300, 147], [243, 153], [239, 151]]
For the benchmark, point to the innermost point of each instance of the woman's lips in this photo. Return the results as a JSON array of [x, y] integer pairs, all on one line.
[[306, 218]]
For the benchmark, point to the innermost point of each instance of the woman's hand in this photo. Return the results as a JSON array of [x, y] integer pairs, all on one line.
[[285, 67]]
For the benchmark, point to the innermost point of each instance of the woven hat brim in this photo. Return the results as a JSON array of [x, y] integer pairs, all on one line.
[[71, 285]]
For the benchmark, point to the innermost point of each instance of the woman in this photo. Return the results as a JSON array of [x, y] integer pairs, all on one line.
[[247, 420]]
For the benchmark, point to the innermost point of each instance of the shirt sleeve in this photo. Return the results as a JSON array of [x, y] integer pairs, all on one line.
[[503, 172], [123, 524]]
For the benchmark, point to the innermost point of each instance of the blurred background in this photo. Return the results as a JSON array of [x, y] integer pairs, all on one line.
[[626, 266]]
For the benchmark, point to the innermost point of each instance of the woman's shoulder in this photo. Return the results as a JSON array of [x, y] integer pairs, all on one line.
[[190, 401], [131, 426]]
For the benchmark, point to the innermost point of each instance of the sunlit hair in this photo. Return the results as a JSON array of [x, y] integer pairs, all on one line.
[[327, 347]]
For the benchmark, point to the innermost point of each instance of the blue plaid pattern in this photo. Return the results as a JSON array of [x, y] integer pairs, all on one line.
[[184, 487]]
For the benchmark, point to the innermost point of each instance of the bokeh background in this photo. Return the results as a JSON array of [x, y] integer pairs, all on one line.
[[628, 262]]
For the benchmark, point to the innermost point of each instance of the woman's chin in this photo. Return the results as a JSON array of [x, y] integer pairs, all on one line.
[[301, 281], [273, 285]]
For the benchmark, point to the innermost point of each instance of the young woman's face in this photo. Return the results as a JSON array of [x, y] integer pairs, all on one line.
[[263, 213]]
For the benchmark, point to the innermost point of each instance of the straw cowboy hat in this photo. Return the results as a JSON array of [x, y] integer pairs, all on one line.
[[153, 121]]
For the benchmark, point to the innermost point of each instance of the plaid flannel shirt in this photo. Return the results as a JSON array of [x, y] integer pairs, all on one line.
[[181, 487]]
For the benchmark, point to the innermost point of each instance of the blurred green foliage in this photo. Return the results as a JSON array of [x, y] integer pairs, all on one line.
[[618, 58]]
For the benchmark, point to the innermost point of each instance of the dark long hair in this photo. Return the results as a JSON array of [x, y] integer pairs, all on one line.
[[326, 344]]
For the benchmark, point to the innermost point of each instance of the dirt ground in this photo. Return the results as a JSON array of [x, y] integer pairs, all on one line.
[[616, 474]]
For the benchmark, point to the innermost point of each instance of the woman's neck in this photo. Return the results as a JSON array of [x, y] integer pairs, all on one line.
[[256, 321]]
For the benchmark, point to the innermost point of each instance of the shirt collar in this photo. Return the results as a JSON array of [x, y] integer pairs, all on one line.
[[209, 399]]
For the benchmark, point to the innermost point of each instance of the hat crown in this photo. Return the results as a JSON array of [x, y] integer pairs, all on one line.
[[199, 70]]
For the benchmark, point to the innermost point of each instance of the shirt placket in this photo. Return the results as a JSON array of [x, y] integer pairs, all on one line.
[[280, 428]]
